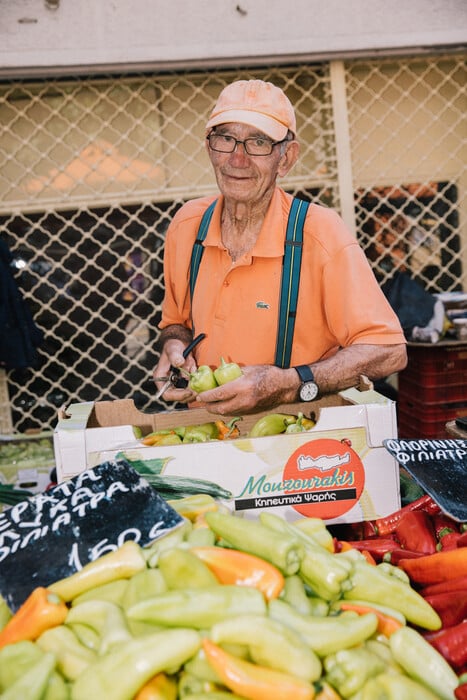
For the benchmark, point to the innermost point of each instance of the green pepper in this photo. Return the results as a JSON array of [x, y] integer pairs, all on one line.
[[165, 436], [271, 424], [16, 660], [326, 635], [215, 695], [227, 372], [253, 537], [422, 662], [395, 571], [199, 607], [87, 636], [171, 439], [395, 686], [183, 569], [375, 585], [317, 530], [121, 563], [106, 618], [32, 684], [201, 536], [349, 669], [72, 657], [294, 593], [301, 425], [189, 685], [327, 575], [171, 539], [270, 643], [381, 649], [202, 379], [113, 591], [122, 672], [144, 584], [201, 433], [199, 666]]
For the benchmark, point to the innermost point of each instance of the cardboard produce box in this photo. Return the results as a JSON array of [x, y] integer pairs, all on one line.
[[339, 470]]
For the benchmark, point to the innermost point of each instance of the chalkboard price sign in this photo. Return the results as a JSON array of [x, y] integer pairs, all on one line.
[[439, 466], [54, 534]]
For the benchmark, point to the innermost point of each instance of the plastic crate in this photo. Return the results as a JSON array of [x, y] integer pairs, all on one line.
[[418, 420], [446, 364], [432, 390]]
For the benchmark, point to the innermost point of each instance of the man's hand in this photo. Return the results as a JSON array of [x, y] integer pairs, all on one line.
[[259, 388], [172, 355]]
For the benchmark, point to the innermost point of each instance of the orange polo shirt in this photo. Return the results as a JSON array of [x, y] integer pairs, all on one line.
[[236, 303]]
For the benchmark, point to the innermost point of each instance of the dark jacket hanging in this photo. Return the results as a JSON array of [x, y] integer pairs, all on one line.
[[19, 335]]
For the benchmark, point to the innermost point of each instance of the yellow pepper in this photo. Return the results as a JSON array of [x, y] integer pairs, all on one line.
[[122, 672], [39, 612], [270, 643], [255, 682], [121, 563]]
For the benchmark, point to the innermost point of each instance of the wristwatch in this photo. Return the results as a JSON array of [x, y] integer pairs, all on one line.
[[309, 388]]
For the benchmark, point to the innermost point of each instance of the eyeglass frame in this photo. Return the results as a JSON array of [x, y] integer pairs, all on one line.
[[250, 138]]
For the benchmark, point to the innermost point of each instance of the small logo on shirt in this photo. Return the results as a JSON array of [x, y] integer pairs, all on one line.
[[262, 305]]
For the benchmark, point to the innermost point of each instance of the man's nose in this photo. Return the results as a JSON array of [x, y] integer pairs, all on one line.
[[239, 152]]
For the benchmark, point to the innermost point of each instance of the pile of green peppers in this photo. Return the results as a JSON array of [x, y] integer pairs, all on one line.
[[149, 618], [270, 424]]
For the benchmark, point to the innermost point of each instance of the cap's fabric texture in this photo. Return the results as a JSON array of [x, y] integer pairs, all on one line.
[[258, 104]]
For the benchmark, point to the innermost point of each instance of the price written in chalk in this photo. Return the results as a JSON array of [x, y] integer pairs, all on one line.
[[439, 466], [57, 532]]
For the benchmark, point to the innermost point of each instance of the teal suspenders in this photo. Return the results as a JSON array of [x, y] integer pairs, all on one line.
[[290, 281], [198, 248], [290, 273]]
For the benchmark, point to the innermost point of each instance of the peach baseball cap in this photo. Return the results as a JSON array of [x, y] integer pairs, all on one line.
[[256, 103]]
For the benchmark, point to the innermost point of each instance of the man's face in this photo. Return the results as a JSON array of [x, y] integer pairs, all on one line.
[[246, 178]]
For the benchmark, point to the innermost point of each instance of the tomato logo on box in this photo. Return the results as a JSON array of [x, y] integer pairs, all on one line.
[[329, 475]]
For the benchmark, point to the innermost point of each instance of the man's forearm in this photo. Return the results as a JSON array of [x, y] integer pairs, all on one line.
[[343, 370]]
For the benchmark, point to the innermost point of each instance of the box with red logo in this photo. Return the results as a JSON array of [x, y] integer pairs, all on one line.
[[339, 470]]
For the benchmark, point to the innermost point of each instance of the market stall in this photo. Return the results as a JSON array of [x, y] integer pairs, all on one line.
[[175, 558]]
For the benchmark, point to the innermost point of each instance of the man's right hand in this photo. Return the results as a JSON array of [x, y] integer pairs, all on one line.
[[172, 356]]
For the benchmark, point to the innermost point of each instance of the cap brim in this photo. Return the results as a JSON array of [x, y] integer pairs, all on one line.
[[269, 126]]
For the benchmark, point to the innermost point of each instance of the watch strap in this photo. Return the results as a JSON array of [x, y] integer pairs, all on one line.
[[305, 373]]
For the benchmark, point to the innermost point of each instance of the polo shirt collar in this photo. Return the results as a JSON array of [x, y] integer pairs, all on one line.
[[270, 243]]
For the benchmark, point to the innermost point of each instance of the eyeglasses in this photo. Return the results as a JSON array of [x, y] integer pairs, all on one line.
[[255, 146]]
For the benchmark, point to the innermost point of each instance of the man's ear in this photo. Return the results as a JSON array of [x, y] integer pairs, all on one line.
[[289, 158]]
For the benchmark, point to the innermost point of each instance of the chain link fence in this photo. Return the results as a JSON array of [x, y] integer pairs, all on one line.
[[92, 170]]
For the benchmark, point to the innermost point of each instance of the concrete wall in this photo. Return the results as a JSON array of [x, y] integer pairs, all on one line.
[[85, 36]]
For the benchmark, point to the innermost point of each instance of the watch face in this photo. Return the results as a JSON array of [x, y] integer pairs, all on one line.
[[308, 391]]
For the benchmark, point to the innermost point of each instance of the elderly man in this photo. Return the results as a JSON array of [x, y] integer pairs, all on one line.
[[233, 261]]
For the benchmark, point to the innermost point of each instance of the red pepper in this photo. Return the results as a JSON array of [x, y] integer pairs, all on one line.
[[443, 524], [434, 568], [415, 531], [385, 526], [451, 643], [454, 584], [448, 540], [451, 607], [462, 541], [376, 546], [395, 555], [460, 693]]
